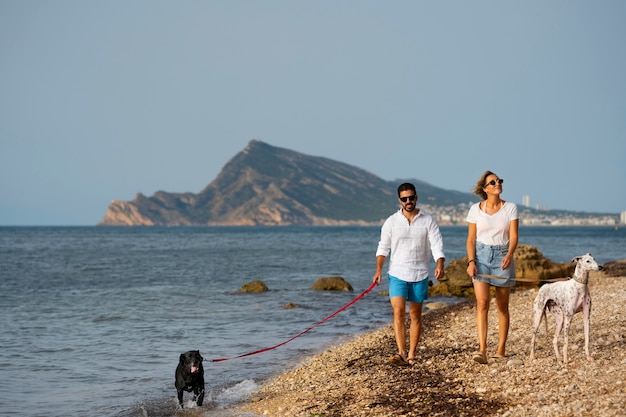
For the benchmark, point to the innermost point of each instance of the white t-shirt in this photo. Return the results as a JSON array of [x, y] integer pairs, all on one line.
[[493, 229]]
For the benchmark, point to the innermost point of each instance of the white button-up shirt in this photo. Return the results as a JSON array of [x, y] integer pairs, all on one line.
[[410, 244]]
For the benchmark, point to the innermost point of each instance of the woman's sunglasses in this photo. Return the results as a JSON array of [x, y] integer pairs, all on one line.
[[411, 197], [493, 182]]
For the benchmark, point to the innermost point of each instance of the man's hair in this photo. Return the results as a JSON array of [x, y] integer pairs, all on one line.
[[407, 186]]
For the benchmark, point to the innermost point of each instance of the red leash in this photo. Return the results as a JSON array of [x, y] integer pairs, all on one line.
[[363, 294]]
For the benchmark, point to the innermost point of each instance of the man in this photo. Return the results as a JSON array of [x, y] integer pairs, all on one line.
[[409, 235]]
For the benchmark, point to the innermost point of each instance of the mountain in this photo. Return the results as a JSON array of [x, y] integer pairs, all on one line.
[[267, 185]]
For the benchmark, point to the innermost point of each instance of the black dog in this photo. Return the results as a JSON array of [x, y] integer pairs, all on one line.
[[190, 376]]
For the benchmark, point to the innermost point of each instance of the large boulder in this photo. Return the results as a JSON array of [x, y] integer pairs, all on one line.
[[615, 268], [331, 284], [254, 286], [530, 265]]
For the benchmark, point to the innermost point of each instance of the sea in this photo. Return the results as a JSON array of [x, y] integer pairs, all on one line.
[[94, 319]]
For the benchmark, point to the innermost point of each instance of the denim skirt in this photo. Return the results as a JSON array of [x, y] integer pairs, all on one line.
[[489, 261]]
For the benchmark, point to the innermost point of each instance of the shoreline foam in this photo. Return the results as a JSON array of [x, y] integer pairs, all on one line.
[[356, 379]]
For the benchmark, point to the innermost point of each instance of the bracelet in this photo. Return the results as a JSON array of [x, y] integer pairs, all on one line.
[[470, 261]]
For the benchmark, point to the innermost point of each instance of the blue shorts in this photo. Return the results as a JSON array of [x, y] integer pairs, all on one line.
[[489, 261], [416, 292]]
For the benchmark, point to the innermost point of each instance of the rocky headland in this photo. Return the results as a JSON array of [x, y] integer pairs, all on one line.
[[271, 186], [264, 185]]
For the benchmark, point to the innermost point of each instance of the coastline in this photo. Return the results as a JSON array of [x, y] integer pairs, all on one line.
[[355, 378]]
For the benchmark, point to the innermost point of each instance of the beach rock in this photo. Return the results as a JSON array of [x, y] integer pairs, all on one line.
[[615, 268], [530, 264], [439, 289], [434, 306], [254, 286], [289, 306], [334, 283]]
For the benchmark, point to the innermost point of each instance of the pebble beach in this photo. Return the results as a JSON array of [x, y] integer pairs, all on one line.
[[357, 379]]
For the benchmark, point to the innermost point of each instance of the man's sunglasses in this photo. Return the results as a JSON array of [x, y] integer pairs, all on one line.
[[493, 182], [411, 198]]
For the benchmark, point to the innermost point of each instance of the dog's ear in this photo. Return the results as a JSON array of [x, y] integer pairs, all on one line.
[[576, 259], [181, 359]]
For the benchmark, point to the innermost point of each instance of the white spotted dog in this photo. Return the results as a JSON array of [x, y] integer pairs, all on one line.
[[564, 299]]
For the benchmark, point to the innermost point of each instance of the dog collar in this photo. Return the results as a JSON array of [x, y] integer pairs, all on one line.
[[581, 281]]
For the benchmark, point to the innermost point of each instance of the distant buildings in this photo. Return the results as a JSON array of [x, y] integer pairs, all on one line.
[[455, 216], [526, 201]]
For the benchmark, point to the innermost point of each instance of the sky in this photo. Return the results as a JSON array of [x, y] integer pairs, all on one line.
[[100, 100]]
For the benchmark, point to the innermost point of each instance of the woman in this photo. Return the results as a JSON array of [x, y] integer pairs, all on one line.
[[491, 242]]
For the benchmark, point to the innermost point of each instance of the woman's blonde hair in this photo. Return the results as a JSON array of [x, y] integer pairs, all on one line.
[[480, 185]]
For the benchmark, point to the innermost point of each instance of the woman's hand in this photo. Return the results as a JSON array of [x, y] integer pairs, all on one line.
[[506, 262]]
